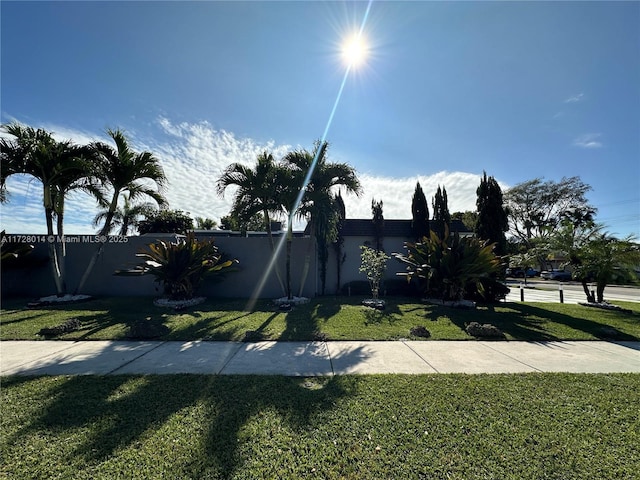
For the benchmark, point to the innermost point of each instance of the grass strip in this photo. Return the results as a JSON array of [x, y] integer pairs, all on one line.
[[332, 318], [529, 426]]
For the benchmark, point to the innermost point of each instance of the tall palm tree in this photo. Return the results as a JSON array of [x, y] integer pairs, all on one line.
[[318, 202], [257, 192], [290, 181], [61, 167], [125, 217], [123, 170]]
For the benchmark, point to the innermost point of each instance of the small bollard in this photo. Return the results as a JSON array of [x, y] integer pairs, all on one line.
[[561, 294], [521, 292]]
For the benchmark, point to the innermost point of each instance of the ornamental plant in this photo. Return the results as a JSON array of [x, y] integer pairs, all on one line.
[[449, 265], [374, 264], [181, 266]]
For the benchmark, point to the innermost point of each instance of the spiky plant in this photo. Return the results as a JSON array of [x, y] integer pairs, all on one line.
[[180, 266]]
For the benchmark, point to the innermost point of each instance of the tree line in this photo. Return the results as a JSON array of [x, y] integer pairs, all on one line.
[[529, 224]]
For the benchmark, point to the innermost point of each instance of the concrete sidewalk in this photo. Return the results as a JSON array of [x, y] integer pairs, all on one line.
[[314, 358]]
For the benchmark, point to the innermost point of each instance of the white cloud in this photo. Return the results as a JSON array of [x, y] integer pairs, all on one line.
[[194, 155], [588, 140], [575, 98], [396, 193]]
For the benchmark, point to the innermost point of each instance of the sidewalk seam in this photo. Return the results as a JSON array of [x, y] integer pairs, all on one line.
[[326, 347], [136, 358], [420, 356], [231, 357], [512, 358]]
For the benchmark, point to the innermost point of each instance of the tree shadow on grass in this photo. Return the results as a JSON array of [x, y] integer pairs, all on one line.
[[154, 322], [295, 401], [24, 318], [301, 325], [376, 317], [107, 414], [527, 322]]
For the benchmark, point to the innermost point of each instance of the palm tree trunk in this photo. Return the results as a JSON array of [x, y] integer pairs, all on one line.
[[62, 249], [288, 264], [307, 258], [273, 250], [105, 230], [590, 297], [338, 267], [53, 252]]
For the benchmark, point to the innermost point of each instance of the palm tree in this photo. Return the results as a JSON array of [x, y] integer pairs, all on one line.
[[289, 195], [595, 256], [205, 223], [124, 170], [339, 241], [125, 217], [257, 192], [61, 167], [318, 202]]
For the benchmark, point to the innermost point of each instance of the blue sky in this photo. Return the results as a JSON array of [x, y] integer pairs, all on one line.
[[517, 89]]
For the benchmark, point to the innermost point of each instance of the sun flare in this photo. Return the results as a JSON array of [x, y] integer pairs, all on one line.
[[354, 50]]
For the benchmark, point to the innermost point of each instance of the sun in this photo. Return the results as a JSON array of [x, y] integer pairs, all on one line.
[[354, 50]]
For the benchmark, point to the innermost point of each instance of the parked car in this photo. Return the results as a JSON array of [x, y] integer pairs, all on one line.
[[559, 275], [519, 272]]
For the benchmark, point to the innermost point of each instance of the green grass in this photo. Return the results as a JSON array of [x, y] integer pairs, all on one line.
[[529, 426], [341, 318]]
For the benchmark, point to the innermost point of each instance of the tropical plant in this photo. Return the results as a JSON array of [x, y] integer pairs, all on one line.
[[205, 223], [529, 257], [60, 167], [606, 260], [374, 264], [289, 196], [595, 256], [338, 242], [125, 218], [318, 204], [257, 191], [180, 266], [166, 221], [449, 264], [124, 170]]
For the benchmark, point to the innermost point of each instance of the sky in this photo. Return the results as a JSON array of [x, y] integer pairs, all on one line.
[[448, 90]]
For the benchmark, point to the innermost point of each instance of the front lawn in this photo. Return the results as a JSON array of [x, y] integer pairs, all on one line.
[[341, 318], [527, 426]]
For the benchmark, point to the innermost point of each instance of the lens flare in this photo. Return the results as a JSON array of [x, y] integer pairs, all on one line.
[[357, 51]]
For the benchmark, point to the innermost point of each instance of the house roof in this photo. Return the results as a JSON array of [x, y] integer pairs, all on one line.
[[363, 227]]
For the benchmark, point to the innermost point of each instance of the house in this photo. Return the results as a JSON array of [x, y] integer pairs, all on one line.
[[357, 232]]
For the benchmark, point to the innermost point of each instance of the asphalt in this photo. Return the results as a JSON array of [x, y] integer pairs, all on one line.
[[314, 358]]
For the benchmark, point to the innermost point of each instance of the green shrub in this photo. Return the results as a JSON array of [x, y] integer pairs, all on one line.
[[448, 265], [180, 267], [166, 221]]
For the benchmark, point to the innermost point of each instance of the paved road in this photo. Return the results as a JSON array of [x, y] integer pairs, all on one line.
[[548, 291], [314, 358]]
